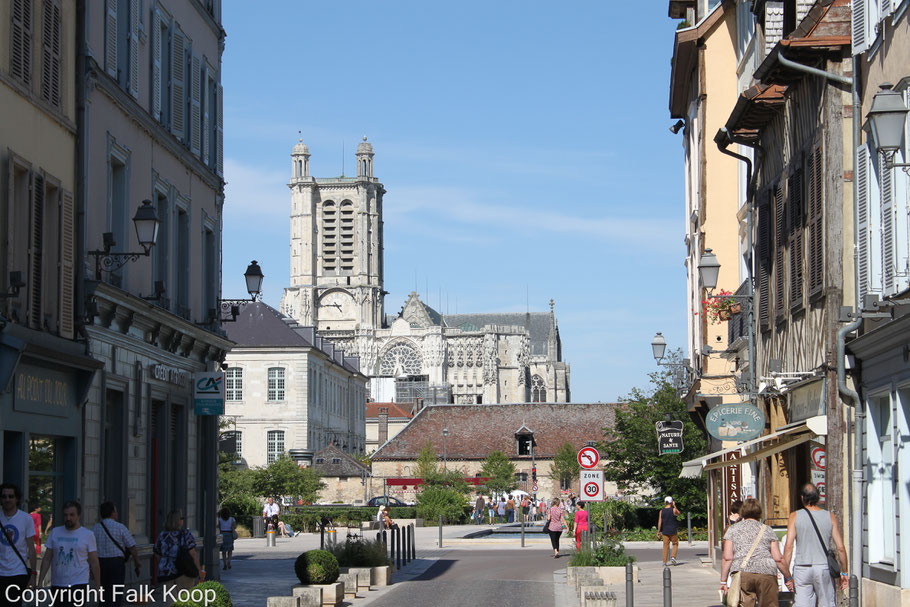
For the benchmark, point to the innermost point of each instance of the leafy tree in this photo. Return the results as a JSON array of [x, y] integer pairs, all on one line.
[[444, 491], [633, 462], [427, 462], [235, 489], [565, 464], [284, 477], [500, 473]]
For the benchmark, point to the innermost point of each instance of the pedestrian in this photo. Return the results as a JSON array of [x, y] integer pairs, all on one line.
[[388, 523], [525, 508], [36, 517], [752, 549], [734, 512], [115, 546], [491, 507], [167, 547], [812, 529], [667, 529], [227, 527], [478, 510], [270, 514], [555, 524], [534, 510], [510, 510], [73, 553], [501, 510], [581, 524], [17, 547]]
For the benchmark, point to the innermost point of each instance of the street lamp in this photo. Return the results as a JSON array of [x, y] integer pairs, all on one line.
[[658, 346], [253, 277], [146, 223], [708, 269], [445, 455], [886, 119]]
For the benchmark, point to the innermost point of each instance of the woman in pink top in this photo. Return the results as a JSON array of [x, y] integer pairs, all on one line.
[[581, 524], [555, 524]]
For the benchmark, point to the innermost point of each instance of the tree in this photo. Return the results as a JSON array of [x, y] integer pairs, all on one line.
[[565, 464], [633, 462], [500, 473], [427, 462], [284, 478]]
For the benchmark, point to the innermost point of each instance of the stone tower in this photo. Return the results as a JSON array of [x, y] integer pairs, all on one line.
[[336, 246]]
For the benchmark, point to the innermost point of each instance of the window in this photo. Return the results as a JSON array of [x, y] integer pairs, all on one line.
[[882, 488], [336, 460], [51, 53], [538, 390], [121, 43], [210, 278], [815, 226], [237, 437], [523, 444], [400, 360], [274, 445], [276, 384], [764, 263], [320, 460], [780, 246], [161, 252], [329, 237], [521, 477], [182, 295], [20, 63], [233, 383], [795, 192]]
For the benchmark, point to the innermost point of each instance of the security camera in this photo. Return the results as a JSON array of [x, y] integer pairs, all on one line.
[[675, 128]]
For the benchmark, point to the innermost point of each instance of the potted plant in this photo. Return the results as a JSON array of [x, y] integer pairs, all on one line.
[[721, 307]]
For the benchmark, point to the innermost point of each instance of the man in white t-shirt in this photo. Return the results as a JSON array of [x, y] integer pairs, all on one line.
[[74, 554], [17, 547], [270, 514]]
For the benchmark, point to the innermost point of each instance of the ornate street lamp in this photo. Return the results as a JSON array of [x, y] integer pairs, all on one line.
[[886, 120], [146, 223], [708, 269], [658, 346], [253, 277]]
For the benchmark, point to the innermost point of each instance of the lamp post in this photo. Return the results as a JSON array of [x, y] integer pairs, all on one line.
[[445, 456], [146, 223], [253, 277], [886, 119]]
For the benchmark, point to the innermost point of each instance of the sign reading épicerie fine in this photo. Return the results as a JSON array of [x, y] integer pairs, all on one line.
[[735, 422]]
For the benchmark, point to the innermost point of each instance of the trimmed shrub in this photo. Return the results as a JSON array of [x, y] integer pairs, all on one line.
[[361, 553], [316, 567], [222, 596]]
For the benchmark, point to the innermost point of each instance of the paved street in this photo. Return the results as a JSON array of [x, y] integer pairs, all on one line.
[[471, 573]]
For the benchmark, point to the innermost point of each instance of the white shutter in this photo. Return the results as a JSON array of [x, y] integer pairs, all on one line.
[[859, 26], [888, 220], [134, 47], [178, 74], [886, 7], [156, 64], [195, 143], [861, 178], [876, 278], [219, 131], [902, 211], [110, 39]]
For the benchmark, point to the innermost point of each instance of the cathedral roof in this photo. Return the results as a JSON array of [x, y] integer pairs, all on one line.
[[537, 324], [364, 147], [475, 430]]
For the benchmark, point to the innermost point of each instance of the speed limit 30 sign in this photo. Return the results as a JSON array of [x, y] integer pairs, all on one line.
[[591, 485]]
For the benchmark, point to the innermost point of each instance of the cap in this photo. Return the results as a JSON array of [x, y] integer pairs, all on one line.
[[668, 499]]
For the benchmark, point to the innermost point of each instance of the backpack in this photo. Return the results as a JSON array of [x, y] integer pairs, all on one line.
[[184, 561]]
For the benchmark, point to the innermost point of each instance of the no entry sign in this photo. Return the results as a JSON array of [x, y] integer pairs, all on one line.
[[588, 457], [591, 484]]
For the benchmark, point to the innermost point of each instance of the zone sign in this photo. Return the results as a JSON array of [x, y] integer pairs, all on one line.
[[591, 484], [588, 457]]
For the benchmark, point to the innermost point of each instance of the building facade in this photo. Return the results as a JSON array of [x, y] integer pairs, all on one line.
[[289, 390], [337, 278], [385, 420]]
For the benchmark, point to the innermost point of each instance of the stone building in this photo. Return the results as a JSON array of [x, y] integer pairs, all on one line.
[[337, 276], [385, 420], [346, 480], [529, 434], [288, 390]]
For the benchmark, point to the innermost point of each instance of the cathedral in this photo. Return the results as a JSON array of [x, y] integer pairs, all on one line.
[[337, 286]]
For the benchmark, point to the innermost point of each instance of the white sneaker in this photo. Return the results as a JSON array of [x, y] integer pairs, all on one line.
[[673, 561]]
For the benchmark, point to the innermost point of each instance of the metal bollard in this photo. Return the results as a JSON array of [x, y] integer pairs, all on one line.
[[396, 535], [853, 600], [440, 531], [689, 520], [522, 531], [630, 585], [413, 542], [392, 546], [668, 588]]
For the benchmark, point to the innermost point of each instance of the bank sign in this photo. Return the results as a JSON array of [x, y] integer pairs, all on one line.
[[735, 422], [208, 393]]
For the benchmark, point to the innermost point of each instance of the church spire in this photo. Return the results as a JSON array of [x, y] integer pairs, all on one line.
[[553, 337], [300, 159], [365, 159]]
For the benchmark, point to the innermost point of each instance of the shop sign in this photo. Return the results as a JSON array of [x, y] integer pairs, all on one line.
[[669, 437], [735, 422], [42, 389], [171, 375], [807, 401], [208, 393], [732, 482]]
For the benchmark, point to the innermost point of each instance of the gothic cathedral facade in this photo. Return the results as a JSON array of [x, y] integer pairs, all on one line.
[[337, 286]]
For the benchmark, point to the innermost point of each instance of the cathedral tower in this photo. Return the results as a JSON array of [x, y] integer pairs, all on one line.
[[336, 246]]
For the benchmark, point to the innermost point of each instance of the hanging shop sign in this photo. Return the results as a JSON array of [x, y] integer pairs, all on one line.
[[208, 393], [735, 422], [43, 389], [669, 437], [807, 401]]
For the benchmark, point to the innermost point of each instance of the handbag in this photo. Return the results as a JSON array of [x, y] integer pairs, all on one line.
[[831, 555], [736, 581], [126, 555], [184, 562], [234, 534]]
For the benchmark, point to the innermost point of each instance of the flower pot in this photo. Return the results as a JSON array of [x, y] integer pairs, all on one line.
[[725, 314], [736, 308]]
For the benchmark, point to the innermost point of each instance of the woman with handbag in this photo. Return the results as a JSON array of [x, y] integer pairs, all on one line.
[[555, 524], [227, 527], [752, 553], [176, 559]]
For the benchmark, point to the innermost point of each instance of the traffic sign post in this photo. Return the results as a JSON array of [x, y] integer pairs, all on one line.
[[588, 457], [591, 483]]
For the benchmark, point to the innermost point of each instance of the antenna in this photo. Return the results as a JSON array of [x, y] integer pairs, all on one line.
[[527, 300], [342, 157]]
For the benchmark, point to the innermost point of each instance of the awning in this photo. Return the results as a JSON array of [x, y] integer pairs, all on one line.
[[769, 444]]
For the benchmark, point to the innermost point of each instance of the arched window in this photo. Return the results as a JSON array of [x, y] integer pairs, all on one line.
[[329, 237], [347, 236], [233, 383], [400, 360], [276, 384], [538, 390], [274, 445]]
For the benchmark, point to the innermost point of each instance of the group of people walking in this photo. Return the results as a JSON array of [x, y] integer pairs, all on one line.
[[752, 556]]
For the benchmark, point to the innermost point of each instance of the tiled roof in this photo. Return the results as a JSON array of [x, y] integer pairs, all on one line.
[[537, 323], [345, 466], [476, 430], [396, 410]]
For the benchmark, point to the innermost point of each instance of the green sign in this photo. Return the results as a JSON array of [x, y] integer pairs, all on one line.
[[208, 393], [735, 422]]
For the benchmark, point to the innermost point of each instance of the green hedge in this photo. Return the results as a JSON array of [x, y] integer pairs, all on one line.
[[307, 518]]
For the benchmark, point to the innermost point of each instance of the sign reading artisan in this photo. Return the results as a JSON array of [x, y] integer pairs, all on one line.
[[669, 437], [735, 422]]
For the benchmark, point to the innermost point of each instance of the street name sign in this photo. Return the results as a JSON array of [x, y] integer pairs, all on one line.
[[669, 437], [588, 457], [591, 483]]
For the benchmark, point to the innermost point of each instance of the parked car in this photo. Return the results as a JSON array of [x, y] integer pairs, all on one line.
[[385, 500]]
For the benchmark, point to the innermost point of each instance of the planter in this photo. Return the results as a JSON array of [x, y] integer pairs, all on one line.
[[350, 583], [724, 314], [364, 575], [283, 601], [736, 308], [332, 594], [381, 576], [609, 575], [308, 596]]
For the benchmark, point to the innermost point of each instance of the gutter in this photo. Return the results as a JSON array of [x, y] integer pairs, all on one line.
[[814, 71], [859, 417]]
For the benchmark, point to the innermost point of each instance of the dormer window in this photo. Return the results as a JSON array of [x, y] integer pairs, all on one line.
[[336, 460]]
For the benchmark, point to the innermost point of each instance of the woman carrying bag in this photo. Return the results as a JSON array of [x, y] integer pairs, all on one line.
[[555, 524], [752, 552]]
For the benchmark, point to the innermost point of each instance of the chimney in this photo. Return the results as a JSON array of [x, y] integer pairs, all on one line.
[[383, 425]]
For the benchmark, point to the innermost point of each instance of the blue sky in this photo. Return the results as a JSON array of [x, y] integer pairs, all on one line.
[[524, 147]]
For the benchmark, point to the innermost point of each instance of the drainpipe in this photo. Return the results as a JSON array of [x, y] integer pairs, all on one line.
[[815, 71], [81, 197], [859, 417]]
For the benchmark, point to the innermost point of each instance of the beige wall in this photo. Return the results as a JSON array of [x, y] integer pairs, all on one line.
[[395, 426]]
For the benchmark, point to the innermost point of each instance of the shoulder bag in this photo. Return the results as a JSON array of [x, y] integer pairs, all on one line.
[[833, 563], [9, 542], [184, 560], [736, 582], [126, 555]]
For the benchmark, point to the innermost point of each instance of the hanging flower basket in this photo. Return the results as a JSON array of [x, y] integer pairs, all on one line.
[[724, 314], [736, 308], [721, 307]]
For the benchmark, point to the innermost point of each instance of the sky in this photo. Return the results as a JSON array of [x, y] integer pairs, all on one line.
[[524, 147]]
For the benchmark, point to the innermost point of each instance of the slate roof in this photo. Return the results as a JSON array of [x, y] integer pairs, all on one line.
[[537, 323], [476, 430], [396, 411], [348, 466], [261, 325]]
